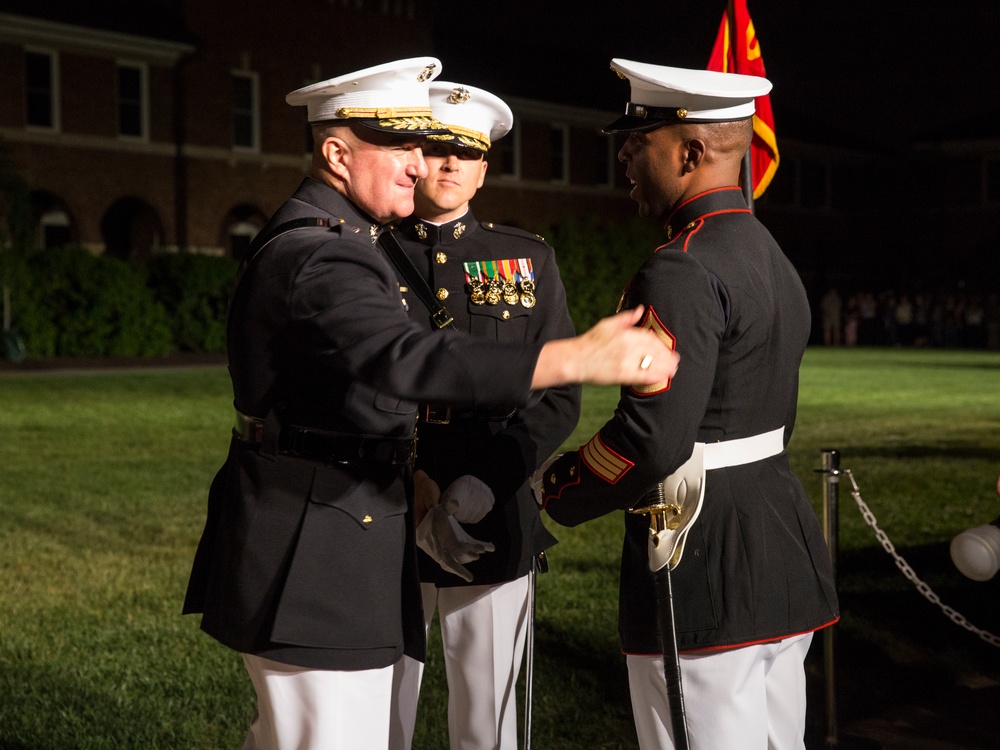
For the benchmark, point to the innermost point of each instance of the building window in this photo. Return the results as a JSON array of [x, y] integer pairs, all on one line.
[[310, 141], [993, 180], [604, 161], [503, 155], [398, 8], [559, 153], [132, 100], [246, 119], [55, 228], [241, 235], [41, 88]]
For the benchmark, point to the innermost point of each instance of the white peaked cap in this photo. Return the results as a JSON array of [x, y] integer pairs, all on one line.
[[661, 95], [388, 97], [475, 117]]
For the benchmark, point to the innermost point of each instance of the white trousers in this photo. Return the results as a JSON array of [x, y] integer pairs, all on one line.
[[750, 698], [318, 709], [483, 631]]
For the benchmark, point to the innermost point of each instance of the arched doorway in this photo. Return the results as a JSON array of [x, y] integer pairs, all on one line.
[[131, 230], [241, 225], [54, 227]]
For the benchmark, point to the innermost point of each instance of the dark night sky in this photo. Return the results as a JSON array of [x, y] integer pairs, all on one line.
[[879, 69]]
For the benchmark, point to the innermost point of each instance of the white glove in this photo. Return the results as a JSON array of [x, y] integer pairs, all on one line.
[[468, 499], [537, 480], [448, 544]]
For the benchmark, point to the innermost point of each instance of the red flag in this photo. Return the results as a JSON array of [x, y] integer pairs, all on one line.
[[741, 54]]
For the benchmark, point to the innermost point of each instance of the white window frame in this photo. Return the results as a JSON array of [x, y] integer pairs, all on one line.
[[562, 179], [143, 100], [254, 79], [611, 160], [991, 164], [511, 141], [54, 217], [240, 229], [53, 55]]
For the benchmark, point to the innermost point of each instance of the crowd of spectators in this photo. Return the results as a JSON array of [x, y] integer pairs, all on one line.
[[954, 319]]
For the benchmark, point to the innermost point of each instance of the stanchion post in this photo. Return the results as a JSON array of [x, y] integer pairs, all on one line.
[[831, 484]]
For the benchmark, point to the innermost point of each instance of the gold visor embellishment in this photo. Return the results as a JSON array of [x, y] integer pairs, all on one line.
[[383, 112]]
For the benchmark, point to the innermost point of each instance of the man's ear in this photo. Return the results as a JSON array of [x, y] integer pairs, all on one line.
[[694, 154], [482, 174], [337, 153]]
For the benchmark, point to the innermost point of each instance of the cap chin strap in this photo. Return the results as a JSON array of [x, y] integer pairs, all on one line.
[[665, 115]]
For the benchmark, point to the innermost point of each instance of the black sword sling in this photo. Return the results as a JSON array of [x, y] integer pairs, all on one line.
[[439, 315]]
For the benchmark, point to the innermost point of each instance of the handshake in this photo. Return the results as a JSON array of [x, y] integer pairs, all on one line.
[[439, 533]]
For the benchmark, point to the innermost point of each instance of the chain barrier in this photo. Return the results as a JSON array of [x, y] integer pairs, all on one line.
[[904, 566]]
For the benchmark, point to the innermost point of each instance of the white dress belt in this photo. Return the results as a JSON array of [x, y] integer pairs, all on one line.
[[744, 450], [682, 494]]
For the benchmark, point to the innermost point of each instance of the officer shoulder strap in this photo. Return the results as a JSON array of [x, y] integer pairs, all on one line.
[[262, 240], [439, 315]]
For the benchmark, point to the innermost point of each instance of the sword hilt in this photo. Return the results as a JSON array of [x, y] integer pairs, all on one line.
[[663, 516]]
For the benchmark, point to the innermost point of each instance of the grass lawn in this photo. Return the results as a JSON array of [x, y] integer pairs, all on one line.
[[103, 479]]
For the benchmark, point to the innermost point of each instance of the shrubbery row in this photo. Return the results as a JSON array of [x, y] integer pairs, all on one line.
[[67, 302]]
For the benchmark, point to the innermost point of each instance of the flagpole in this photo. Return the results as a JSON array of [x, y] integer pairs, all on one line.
[[746, 173], [746, 179]]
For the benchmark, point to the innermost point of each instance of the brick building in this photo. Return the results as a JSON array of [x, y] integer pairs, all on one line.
[[146, 127], [152, 128]]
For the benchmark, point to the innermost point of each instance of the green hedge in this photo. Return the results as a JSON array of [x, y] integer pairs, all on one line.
[[195, 291], [596, 261], [69, 303]]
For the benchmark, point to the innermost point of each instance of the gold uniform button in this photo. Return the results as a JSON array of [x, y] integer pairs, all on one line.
[[441, 258], [505, 315], [367, 520], [441, 293]]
